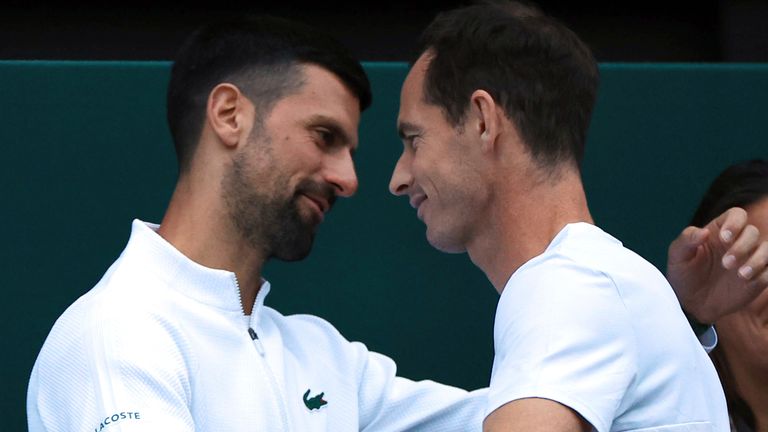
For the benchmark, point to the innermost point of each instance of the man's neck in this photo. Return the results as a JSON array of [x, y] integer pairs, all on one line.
[[196, 226], [522, 224]]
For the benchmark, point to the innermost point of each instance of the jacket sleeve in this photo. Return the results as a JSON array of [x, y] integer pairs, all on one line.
[[118, 374], [383, 401], [392, 403]]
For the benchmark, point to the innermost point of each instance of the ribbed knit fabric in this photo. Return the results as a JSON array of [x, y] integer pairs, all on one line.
[[161, 344]]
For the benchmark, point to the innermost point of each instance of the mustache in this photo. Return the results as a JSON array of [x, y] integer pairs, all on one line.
[[313, 188]]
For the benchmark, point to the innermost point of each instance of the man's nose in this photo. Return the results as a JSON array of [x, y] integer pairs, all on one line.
[[341, 174], [401, 176]]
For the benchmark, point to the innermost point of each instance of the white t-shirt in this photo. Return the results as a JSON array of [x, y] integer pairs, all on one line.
[[162, 344], [593, 326]]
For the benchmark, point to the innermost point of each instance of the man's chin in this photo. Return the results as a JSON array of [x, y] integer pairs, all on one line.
[[445, 243], [296, 251], [292, 257]]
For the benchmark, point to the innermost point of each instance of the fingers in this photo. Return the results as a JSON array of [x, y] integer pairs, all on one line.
[[751, 255], [730, 224], [746, 252], [684, 247], [756, 286], [747, 242]]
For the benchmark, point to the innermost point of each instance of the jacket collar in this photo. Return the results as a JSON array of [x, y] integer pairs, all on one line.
[[215, 287]]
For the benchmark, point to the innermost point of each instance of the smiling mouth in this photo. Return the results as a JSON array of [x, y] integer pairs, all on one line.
[[319, 205], [417, 200], [417, 203]]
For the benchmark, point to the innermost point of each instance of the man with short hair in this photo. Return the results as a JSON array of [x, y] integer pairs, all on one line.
[[588, 335], [176, 337]]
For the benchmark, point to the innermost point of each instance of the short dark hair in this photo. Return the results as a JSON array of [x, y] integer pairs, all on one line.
[[739, 185], [539, 71], [259, 54]]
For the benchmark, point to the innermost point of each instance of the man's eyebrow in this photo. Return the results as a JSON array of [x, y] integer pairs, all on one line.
[[404, 129]]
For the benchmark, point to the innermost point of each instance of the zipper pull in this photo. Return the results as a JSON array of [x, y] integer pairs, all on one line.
[[256, 341]]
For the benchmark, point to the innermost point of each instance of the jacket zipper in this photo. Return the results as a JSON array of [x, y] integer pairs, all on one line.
[[260, 349]]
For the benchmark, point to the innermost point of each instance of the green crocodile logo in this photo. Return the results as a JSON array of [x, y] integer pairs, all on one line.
[[315, 402]]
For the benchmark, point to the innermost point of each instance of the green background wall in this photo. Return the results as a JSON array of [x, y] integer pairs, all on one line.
[[85, 150]]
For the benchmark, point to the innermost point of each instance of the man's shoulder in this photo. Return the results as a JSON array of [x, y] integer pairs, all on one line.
[[566, 288], [105, 332], [124, 289], [590, 246], [591, 252], [586, 270], [562, 272], [122, 304]]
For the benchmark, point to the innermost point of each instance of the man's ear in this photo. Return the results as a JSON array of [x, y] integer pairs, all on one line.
[[229, 114], [485, 120]]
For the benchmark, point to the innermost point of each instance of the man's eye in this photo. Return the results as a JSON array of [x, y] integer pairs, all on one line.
[[414, 141], [326, 137]]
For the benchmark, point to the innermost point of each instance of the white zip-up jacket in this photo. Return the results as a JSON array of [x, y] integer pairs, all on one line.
[[162, 344]]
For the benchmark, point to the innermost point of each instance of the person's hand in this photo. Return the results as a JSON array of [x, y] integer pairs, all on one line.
[[720, 268]]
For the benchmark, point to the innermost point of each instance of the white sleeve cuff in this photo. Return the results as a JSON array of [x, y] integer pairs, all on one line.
[[708, 339]]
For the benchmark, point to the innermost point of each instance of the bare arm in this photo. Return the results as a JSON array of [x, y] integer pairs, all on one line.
[[720, 268], [534, 414]]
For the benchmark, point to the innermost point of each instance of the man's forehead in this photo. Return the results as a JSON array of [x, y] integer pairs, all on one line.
[[411, 100], [415, 78], [326, 94], [412, 92]]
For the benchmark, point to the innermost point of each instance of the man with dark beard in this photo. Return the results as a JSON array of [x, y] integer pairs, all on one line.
[[274, 221], [176, 337]]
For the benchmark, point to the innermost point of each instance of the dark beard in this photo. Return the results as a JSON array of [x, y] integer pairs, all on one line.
[[286, 235], [272, 224]]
